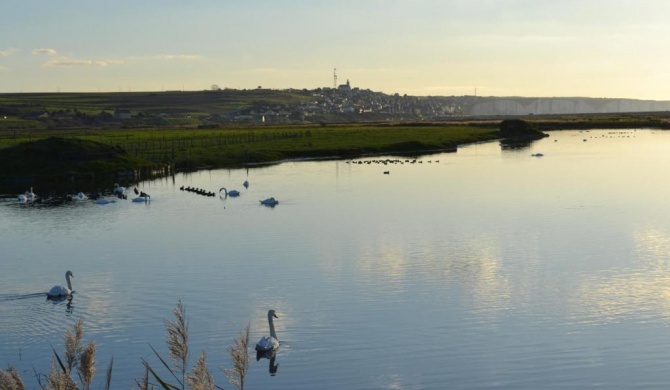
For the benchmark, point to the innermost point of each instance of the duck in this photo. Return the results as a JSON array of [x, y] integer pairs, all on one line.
[[62, 291], [269, 343], [269, 202], [246, 184]]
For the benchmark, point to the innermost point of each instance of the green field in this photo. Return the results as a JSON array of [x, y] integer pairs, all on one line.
[[171, 102], [201, 148]]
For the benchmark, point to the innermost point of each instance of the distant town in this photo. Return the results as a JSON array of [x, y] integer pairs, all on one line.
[[217, 107]]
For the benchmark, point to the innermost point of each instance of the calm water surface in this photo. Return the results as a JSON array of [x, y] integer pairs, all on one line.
[[485, 269]]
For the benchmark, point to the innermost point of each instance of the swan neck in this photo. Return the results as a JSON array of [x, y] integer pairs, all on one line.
[[69, 283], [272, 327]]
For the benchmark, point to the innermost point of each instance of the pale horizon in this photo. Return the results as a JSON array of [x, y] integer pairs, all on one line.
[[504, 48]]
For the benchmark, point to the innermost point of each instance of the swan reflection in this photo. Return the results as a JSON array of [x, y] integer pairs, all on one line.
[[67, 300], [272, 365]]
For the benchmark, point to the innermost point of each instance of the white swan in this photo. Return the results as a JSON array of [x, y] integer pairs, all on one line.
[[232, 193], [29, 196], [118, 190], [144, 197], [80, 196], [62, 291], [269, 343], [269, 201]]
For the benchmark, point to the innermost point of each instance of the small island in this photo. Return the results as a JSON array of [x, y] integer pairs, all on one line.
[[517, 132]]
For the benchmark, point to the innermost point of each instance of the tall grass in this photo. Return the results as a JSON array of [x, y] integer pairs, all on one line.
[[80, 359], [200, 376]]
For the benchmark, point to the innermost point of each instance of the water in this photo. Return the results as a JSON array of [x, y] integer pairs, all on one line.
[[485, 269]]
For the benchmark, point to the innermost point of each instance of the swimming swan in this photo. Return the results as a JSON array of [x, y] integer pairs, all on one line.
[[62, 291], [269, 343], [80, 196], [232, 193], [144, 197], [28, 197], [118, 190]]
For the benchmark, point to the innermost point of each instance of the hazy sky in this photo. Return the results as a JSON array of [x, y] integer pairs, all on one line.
[[594, 48]]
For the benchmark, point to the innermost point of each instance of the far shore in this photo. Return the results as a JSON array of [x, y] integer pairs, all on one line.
[[188, 149]]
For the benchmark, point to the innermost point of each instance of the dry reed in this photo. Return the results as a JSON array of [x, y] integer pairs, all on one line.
[[74, 345], [10, 379], [239, 354], [143, 384], [201, 378], [87, 365], [177, 340], [58, 379]]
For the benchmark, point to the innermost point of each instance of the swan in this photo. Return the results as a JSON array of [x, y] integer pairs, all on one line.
[[29, 196], [144, 197], [80, 196], [232, 193], [269, 201], [62, 291], [118, 190], [269, 343]]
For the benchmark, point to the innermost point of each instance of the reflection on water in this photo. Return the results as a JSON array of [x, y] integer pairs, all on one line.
[[485, 268], [271, 356]]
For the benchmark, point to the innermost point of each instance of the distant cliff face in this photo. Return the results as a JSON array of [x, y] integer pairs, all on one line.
[[539, 106]]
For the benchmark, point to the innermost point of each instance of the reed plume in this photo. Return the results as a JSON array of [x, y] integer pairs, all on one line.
[[177, 342], [239, 355], [74, 345], [10, 379], [201, 378], [58, 379], [177, 339], [87, 365]]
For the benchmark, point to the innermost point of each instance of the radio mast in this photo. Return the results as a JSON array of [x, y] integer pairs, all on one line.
[[334, 78]]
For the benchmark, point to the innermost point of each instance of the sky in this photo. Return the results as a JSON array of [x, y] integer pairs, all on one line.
[[533, 48]]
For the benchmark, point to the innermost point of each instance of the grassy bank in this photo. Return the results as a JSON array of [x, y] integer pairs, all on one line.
[[226, 147], [238, 145]]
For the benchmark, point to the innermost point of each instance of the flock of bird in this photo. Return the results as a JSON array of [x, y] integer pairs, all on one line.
[[29, 197], [101, 197], [392, 161], [198, 191], [228, 193]]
